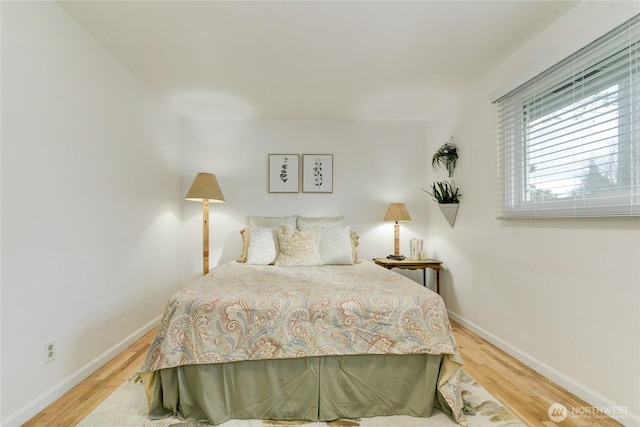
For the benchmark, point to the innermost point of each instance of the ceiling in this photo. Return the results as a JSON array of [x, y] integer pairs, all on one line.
[[350, 60]]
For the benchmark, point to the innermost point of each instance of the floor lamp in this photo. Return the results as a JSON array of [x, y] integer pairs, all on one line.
[[397, 212], [205, 189]]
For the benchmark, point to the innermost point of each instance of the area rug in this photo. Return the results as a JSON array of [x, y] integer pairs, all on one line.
[[127, 406]]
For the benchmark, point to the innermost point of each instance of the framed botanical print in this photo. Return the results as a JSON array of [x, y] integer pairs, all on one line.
[[284, 173], [317, 173]]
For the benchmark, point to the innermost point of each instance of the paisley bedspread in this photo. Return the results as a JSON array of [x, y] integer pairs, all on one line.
[[248, 312]]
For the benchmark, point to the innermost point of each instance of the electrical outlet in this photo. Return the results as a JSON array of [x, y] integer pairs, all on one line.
[[50, 351]]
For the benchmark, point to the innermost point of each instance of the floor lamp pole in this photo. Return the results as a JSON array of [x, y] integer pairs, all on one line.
[[205, 236]]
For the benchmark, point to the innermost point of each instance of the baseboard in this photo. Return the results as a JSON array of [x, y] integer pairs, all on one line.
[[31, 409], [580, 390]]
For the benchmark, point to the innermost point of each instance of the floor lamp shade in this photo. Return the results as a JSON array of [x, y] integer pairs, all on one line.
[[205, 189], [397, 212]]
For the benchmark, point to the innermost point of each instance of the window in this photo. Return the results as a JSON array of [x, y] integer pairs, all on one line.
[[569, 139]]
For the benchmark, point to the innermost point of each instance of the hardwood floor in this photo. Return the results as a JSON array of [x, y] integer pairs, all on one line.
[[523, 391]]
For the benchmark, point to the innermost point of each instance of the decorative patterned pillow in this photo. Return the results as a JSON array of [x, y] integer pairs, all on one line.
[[335, 245], [298, 248], [272, 221], [263, 246]]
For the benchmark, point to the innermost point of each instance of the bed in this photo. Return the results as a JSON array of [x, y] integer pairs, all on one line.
[[315, 342]]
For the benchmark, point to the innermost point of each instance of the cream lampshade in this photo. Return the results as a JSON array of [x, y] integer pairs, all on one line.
[[397, 212], [205, 189]]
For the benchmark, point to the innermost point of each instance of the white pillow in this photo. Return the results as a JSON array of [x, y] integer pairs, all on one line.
[[263, 246], [305, 223], [335, 245], [272, 221], [298, 248]]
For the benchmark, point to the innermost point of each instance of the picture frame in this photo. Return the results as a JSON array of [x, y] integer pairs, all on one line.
[[284, 173], [317, 173]]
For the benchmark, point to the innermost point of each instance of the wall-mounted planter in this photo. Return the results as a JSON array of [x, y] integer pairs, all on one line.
[[449, 210], [444, 192]]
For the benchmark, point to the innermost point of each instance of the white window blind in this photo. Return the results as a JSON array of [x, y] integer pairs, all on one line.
[[569, 139]]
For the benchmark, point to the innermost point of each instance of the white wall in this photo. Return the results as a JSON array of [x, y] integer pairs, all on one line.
[[90, 206], [561, 295], [375, 163]]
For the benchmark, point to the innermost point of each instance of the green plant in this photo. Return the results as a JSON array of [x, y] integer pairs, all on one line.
[[446, 156], [443, 192]]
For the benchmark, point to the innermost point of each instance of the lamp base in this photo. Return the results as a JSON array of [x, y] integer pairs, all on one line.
[[396, 257], [396, 239]]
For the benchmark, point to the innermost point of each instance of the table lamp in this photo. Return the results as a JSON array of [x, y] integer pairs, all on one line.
[[205, 189], [397, 212]]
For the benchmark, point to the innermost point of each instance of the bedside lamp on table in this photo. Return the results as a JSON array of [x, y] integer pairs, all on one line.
[[397, 212]]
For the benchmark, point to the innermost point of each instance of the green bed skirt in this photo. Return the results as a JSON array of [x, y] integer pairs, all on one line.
[[315, 388]]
